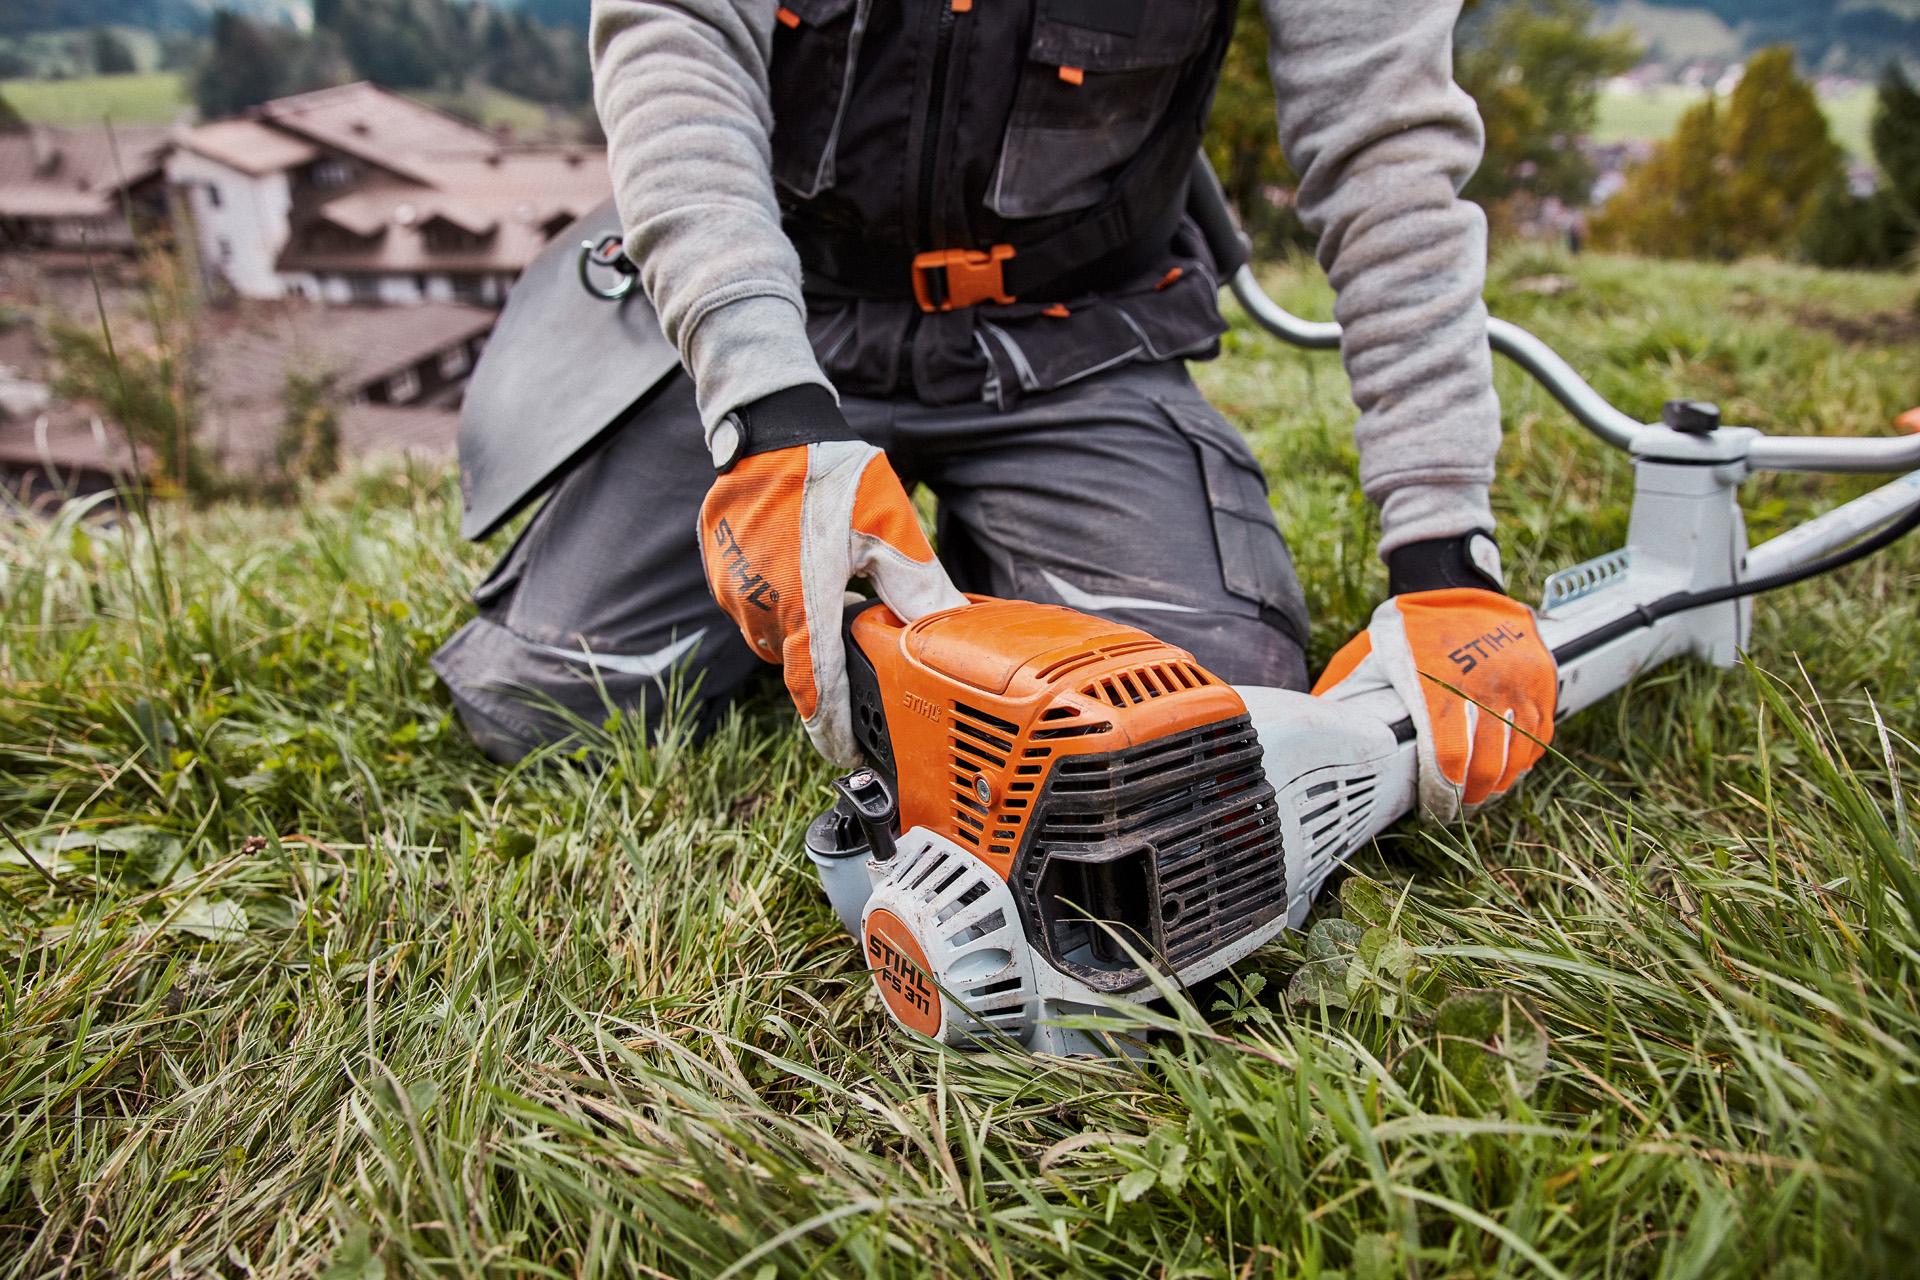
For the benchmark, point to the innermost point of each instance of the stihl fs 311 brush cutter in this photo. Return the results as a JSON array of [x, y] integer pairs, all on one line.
[[1045, 786]]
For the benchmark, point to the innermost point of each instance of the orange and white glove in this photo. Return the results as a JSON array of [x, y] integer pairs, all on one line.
[[1470, 666], [781, 532]]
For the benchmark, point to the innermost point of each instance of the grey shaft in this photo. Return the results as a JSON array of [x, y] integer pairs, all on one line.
[[1382, 139], [1125, 495]]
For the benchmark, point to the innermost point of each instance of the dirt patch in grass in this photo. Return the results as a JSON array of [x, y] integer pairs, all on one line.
[[1876, 329]]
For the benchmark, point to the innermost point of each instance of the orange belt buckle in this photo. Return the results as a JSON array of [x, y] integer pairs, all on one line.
[[948, 278]]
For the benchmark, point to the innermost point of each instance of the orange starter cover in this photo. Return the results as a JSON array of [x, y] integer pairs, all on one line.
[[990, 698]]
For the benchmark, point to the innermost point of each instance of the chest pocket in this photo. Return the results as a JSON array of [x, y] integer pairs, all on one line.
[[1099, 75], [815, 46]]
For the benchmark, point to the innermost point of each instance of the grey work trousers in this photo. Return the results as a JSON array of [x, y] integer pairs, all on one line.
[[1124, 495]]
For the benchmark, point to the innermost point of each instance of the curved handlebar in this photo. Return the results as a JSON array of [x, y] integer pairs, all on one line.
[[1621, 430], [1563, 384], [1838, 454]]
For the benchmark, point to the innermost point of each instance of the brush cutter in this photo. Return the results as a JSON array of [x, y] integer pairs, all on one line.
[[1060, 809]]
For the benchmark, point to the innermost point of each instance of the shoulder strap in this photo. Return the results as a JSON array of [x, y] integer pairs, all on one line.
[[1139, 215], [1116, 238]]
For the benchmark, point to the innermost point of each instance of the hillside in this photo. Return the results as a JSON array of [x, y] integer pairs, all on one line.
[[18, 17], [310, 988], [1830, 35]]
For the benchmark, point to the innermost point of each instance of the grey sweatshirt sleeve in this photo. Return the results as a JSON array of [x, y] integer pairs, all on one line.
[[681, 87], [1383, 140]]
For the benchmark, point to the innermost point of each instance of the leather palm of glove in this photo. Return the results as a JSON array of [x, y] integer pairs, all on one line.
[[800, 507], [1469, 664]]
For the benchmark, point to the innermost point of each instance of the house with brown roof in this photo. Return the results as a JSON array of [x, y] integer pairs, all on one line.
[[72, 188], [356, 194]]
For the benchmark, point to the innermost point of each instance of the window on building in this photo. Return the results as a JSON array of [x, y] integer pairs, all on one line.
[[403, 387], [213, 195], [443, 235], [364, 288], [453, 363], [332, 173], [226, 250]]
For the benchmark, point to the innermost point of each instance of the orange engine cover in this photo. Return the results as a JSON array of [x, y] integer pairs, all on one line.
[[1035, 734]]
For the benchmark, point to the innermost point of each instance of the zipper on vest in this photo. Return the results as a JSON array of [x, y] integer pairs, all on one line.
[[936, 101]]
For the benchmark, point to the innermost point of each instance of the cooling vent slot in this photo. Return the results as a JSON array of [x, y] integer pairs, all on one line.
[[1086, 657], [982, 743], [1155, 680], [1175, 844], [1333, 814]]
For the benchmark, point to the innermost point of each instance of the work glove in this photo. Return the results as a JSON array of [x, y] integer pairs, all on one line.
[[1468, 663], [800, 507]]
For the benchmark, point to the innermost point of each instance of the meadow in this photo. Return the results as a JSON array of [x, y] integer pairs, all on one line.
[[293, 982], [1653, 113], [159, 97], [149, 97]]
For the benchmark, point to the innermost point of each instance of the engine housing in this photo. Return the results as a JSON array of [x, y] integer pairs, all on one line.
[[1109, 780]]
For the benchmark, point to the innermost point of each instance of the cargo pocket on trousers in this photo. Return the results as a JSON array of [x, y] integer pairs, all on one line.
[[1255, 564]]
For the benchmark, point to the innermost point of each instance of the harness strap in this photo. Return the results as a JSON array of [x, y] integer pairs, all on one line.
[[1119, 237]]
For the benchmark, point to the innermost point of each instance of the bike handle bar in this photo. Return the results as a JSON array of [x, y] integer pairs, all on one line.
[[1621, 430]]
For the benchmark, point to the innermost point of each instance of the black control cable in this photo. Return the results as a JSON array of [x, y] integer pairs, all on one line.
[[1680, 601]]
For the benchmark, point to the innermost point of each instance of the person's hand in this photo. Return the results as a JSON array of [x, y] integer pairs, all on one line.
[[1470, 666], [781, 532]]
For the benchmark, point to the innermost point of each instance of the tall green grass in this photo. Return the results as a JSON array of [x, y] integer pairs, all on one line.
[[315, 990]]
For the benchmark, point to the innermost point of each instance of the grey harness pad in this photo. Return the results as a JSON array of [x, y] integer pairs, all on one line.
[[562, 369]]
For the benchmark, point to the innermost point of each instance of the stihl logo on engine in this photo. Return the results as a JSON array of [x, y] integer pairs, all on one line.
[[925, 707], [1473, 652], [897, 973], [751, 587]]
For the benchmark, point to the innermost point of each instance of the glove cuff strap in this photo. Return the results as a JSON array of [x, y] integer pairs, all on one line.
[[1470, 560], [806, 414]]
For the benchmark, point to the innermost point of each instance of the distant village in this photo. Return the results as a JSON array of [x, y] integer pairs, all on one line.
[[351, 235]]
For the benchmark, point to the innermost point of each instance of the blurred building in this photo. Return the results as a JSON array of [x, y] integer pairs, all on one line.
[[67, 190], [356, 194]]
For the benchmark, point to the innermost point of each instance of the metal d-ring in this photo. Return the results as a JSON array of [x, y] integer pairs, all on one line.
[[609, 252]]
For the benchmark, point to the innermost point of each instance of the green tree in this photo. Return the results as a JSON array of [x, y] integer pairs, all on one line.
[[1880, 229], [309, 443], [246, 66], [1896, 136], [402, 44], [248, 63], [440, 44], [1243, 137], [1779, 154], [1855, 231], [111, 56], [1746, 179], [1674, 205], [1532, 65], [1536, 71]]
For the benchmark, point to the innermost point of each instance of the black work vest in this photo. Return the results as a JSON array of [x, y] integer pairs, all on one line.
[[1051, 138]]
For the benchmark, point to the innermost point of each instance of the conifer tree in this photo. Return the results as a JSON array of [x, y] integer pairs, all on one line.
[[1896, 136], [1746, 179]]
